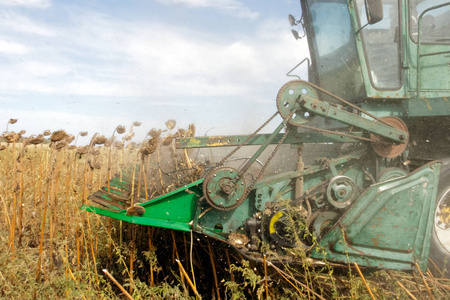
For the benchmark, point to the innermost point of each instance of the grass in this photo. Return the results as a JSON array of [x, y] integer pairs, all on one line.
[[50, 249]]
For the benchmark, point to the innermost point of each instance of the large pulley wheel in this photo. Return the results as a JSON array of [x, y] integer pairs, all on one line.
[[387, 149], [288, 101], [223, 188], [341, 192]]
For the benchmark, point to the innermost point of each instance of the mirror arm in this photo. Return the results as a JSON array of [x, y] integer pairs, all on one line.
[[357, 32]]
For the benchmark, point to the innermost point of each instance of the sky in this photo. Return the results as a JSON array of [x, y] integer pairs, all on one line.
[[90, 65]]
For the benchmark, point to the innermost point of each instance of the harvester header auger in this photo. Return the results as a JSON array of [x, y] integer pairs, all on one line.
[[376, 107]]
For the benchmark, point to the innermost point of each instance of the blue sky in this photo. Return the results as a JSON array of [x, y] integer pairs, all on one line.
[[92, 65]]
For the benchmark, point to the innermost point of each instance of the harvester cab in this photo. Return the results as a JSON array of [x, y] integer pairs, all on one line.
[[378, 86]]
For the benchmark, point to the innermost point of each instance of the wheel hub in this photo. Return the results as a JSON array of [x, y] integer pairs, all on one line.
[[442, 220]]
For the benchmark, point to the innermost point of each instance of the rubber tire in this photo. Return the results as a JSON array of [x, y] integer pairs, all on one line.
[[439, 255]]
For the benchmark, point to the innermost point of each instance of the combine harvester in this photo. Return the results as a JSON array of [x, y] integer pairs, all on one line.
[[379, 80]]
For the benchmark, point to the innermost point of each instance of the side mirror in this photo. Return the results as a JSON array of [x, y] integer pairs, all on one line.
[[292, 20], [374, 11]]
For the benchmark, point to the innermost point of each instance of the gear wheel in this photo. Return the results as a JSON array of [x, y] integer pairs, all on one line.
[[287, 98], [223, 188]]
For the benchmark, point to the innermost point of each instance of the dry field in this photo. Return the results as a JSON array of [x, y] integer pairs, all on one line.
[[50, 249]]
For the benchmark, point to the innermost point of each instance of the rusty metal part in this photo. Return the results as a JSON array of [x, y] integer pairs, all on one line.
[[135, 211], [388, 149], [238, 240]]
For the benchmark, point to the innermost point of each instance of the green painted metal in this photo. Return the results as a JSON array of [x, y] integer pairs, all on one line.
[[311, 170], [429, 60], [389, 226], [259, 139], [173, 210], [224, 188]]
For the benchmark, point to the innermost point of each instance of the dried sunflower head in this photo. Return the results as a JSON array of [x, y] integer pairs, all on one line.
[[154, 133], [181, 132], [82, 150], [128, 136], [191, 130], [109, 141], [83, 133], [94, 151], [35, 140], [170, 124], [59, 145], [120, 129], [167, 140], [13, 121], [11, 137], [149, 146], [118, 145], [100, 140], [58, 135], [69, 139], [47, 133]]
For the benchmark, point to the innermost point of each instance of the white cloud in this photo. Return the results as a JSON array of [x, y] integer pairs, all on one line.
[[8, 47], [229, 7], [10, 21], [27, 3], [98, 55]]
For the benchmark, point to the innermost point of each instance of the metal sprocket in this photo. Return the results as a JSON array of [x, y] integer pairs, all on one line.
[[287, 101], [223, 189]]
